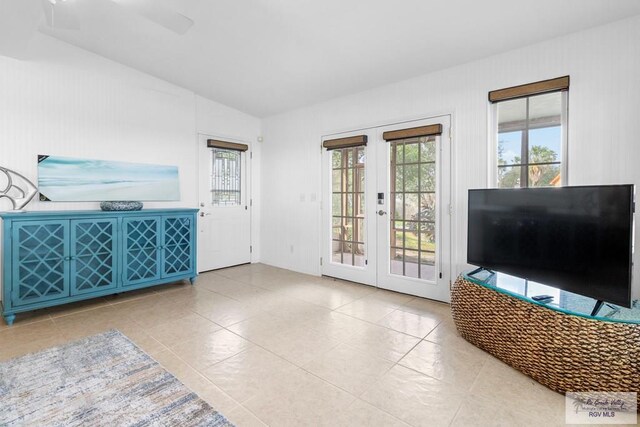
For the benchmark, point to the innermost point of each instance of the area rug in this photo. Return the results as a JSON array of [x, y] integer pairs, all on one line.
[[101, 380]]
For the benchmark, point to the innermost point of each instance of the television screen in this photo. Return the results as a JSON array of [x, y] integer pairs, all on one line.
[[574, 238]]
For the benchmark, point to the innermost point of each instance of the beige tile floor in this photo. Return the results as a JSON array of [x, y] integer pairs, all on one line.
[[269, 346]]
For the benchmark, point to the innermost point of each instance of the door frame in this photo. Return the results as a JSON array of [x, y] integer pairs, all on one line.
[[399, 121], [249, 185]]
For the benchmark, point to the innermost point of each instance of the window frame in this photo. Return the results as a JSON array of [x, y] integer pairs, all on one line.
[[493, 138]]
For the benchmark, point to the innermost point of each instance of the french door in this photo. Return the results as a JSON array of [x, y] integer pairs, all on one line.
[[348, 227], [386, 221]]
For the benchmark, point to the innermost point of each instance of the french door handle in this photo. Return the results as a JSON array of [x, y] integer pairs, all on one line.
[[381, 212]]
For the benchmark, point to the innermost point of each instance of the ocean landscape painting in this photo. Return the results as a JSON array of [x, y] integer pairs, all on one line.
[[68, 179]]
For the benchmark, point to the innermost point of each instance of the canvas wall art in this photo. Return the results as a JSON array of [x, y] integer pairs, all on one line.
[[68, 179]]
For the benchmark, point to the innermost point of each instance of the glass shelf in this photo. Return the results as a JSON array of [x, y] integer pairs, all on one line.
[[563, 301]]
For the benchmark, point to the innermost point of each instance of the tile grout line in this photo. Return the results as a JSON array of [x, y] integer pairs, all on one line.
[[240, 299], [295, 365], [170, 350], [302, 368]]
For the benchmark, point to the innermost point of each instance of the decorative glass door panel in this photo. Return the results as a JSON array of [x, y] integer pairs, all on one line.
[[412, 215], [177, 249], [93, 263], [41, 264], [226, 177], [142, 249], [348, 206]]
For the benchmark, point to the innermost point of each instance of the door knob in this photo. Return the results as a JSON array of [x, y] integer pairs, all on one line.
[[202, 214], [381, 212]]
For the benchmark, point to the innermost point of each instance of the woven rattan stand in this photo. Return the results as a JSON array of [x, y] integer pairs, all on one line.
[[562, 351]]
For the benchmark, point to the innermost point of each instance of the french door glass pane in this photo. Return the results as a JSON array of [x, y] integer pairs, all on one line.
[[348, 206], [413, 207]]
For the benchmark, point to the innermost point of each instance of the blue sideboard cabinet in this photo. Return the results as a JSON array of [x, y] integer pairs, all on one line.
[[53, 258]]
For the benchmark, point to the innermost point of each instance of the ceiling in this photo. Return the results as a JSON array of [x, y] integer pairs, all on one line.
[[264, 57]]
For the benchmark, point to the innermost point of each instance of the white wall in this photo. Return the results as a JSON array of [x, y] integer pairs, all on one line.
[[66, 101], [69, 102], [604, 65]]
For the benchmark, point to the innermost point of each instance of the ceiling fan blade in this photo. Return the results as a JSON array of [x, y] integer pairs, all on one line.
[[19, 21], [150, 9], [61, 15]]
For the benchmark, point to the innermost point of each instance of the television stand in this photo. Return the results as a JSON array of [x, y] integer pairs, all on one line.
[[597, 307], [482, 273], [559, 343]]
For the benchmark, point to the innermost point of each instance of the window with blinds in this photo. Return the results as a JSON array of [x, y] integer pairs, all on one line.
[[530, 130]]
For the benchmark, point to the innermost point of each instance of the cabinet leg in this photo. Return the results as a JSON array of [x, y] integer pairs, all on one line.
[[9, 318], [192, 280]]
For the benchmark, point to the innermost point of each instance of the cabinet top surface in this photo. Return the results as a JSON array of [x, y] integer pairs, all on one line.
[[563, 301], [42, 214]]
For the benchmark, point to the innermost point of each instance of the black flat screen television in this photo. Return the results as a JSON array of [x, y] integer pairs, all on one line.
[[579, 239]]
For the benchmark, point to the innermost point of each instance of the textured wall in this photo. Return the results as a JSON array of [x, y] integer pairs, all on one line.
[[603, 62], [69, 102]]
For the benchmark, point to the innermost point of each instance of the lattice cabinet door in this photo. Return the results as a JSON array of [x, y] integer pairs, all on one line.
[[141, 249], [40, 261], [93, 255], [177, 254]]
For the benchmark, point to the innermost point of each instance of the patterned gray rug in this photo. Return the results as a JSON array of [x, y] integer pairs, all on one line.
[[101, 380]]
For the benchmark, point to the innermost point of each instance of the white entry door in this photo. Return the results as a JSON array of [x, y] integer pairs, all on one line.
[[224, 221], [386, 218]]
